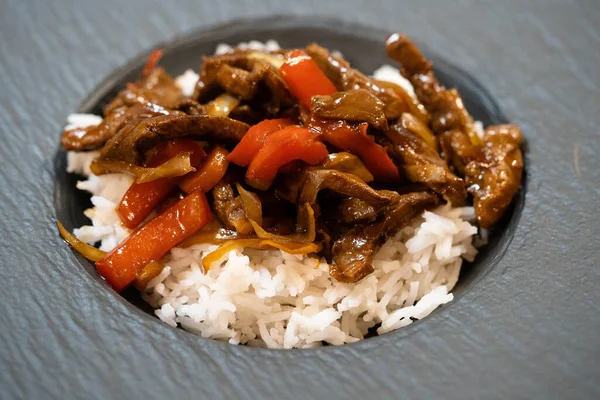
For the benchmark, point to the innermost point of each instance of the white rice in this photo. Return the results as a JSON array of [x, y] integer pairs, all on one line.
[[391, 74], [277, 300]]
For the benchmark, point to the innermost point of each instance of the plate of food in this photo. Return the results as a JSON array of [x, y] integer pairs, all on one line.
[[279, 197], [289, 208]]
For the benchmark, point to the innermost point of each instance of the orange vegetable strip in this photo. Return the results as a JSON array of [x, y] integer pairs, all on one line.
[[304, 78], [141, 198], [354, 139], [254, 139], [289, 144], [212, 171], [153, 240]]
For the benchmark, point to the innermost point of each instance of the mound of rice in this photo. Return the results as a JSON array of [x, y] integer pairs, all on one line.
[[278, 300]]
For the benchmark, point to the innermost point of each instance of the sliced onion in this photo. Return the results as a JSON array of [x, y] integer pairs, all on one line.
[[222, 105], [258, 184], [149, 272], [93, 254], [420, 129], [414, 106], [349, 163], [306, 218], [214, 236], [176, 166], [288, 247], [251, 204], [275, 60], [86, 250]]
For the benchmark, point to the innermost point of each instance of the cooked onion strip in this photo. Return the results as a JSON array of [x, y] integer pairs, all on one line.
[[93, 254], [176, 166], [86, 250], [276, 60], [149, 272], [420, 129], [306, 218], [347, 162], [288, 247], [251, 204], [214, 236], [414, 106], [222, 105]]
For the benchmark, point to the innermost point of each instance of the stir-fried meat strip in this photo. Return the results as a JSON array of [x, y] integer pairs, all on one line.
[[495, 176], [239, 82], [229, 208], [492, 165], [351, 210], [458, 149], [151, 98], [210, 68], [353, 252], [131, 142], [158, 88], [346, 78], [154, 95], [279, 97], [247, 114], [352, 105], [92, 137], [242, 75], [422, 164], [342, 183], [445, 106]]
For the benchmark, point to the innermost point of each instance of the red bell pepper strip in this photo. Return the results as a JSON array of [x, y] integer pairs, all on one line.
[[153, 59], [289, 144], [254, 139], [209, 174], [141, 198], [304, 78], [153, 240], [354, 139]]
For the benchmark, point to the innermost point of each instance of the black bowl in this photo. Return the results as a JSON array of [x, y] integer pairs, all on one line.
[[364, 49]]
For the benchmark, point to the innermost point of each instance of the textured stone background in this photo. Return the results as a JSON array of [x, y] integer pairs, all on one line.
[[528, 330]]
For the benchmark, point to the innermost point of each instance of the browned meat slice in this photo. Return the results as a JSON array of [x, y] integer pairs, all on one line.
[[239, 82], [352, 105], [458, 149], [342, 183], [242, 75], [151, 98], [492, 166], [445, 106], [160, 79], [229, 208], [279, 96], [93, 137], [346, 78], [353, 252], [422, 164], [210, 68], [495, 176], [352, 210], [247, 114], [157, 89], [131, 142]]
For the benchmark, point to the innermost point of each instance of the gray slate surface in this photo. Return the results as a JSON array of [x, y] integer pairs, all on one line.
[[539, 59]]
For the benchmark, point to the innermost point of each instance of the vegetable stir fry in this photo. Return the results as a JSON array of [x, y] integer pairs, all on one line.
[[292, 150]]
